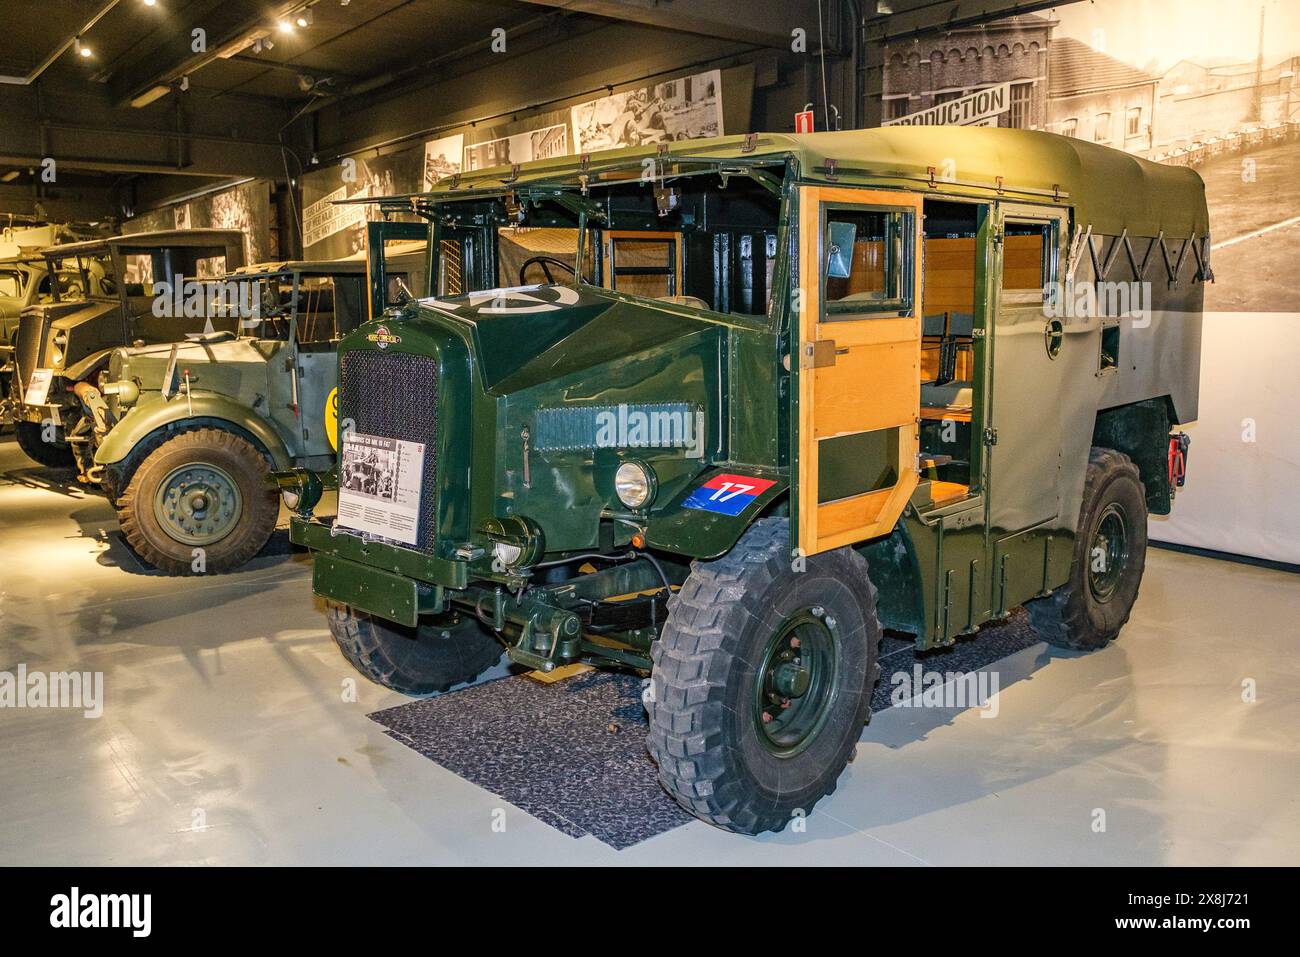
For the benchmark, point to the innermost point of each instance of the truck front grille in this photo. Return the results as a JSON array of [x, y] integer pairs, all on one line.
[[395, 395], [33, 330]]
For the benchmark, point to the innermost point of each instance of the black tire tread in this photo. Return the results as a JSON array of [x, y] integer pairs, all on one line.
[[1058, 619], [470, 652], [51, 455], [705, 617], [263, 510]]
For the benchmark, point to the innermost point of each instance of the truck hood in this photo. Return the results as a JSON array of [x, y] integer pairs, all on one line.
[[148, 364], [88, 328], [525, 335]]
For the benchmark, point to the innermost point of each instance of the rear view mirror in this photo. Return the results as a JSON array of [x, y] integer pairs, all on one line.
[[839, 252]]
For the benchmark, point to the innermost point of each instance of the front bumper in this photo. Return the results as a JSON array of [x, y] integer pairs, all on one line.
[[401, 585], [325, 540]]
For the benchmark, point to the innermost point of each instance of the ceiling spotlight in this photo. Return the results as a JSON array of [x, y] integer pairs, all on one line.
[[82, 51], [185, 84], [150, 3], [286, 26], [305, 18]]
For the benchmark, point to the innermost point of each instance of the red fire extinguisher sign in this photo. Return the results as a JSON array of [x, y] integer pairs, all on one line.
[[803, 122]]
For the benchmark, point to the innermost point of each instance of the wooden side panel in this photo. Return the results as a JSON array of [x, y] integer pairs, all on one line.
[[873, 384]]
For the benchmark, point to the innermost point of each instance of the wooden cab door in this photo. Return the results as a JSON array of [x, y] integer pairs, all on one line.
[[859, 353]]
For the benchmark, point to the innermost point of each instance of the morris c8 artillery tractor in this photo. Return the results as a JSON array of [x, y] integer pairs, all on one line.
[[794, 390]]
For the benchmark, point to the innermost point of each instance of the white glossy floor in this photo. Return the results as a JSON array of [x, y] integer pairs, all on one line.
[[226, 739]]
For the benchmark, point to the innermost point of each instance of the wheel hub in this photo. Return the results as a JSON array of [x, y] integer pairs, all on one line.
[[795, 681], [198, 504], [1109, 552]]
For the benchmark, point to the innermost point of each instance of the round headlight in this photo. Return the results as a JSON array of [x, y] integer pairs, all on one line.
[[291, 499], [634, 484]]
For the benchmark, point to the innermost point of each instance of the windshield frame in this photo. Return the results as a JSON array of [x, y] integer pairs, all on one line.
[[439, 208]]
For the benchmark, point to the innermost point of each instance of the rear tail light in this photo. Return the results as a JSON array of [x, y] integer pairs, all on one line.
[[1178, 445]]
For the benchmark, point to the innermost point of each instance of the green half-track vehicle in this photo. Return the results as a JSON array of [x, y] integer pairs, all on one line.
[[186, 432], [798, 389], [108, 300]]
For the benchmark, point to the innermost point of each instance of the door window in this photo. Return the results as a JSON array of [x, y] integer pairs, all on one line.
[[867, 263]]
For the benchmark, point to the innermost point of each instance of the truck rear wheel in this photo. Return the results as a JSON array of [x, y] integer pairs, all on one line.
[[439, 653], [200, 490], [55, 455], [762, 681], [1110, 553]]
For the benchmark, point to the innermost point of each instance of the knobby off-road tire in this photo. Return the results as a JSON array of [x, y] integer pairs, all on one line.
[[440, 653], [725, 659], [1110, 553], [54, 455], [212, 468]]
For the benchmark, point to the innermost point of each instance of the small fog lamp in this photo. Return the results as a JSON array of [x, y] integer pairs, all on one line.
[[507, 554], [517, 541]]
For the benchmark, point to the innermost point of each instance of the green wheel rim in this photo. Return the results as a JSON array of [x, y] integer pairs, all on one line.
[[795, 684], [1109, 553], [198, 504]]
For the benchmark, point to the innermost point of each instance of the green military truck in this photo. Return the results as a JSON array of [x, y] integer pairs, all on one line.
[[110, 300], [187, 431], [816, 386]]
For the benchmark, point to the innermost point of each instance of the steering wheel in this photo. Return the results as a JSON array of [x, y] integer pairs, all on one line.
[[546, 262]]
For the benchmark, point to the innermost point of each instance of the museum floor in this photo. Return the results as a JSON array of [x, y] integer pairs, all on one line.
[[226, 736]]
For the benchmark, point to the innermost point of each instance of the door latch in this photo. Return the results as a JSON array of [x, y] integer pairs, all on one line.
[[990, 437], [818, 353]]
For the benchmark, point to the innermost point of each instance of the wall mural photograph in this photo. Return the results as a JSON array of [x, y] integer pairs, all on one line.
[[1186, 82]]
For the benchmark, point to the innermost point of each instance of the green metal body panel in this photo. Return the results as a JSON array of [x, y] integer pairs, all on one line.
[[154, 413], [424, 568], [516, 389], [381, 593], [273, 391]]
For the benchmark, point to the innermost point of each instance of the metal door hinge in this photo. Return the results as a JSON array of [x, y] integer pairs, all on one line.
[[990, 436]]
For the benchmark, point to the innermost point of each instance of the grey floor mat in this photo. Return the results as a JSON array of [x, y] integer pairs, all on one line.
[[572, 754]]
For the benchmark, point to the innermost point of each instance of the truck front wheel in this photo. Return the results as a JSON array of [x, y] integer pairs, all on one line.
[[54, 455], [199, 503], [1110, 552], [762, 680], [441, 652]]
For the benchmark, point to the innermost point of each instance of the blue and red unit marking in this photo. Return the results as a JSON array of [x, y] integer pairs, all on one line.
[[727, 494]]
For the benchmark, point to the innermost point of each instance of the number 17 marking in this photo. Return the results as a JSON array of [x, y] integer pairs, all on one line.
[[732, 489]]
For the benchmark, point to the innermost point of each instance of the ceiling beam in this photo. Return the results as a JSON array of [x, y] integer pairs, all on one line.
[[909, 18], [768, 23], [78, 204], [192, 135], [170, 54]]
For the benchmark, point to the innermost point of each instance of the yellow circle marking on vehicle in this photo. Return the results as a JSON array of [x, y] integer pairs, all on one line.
[[332, 418]]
